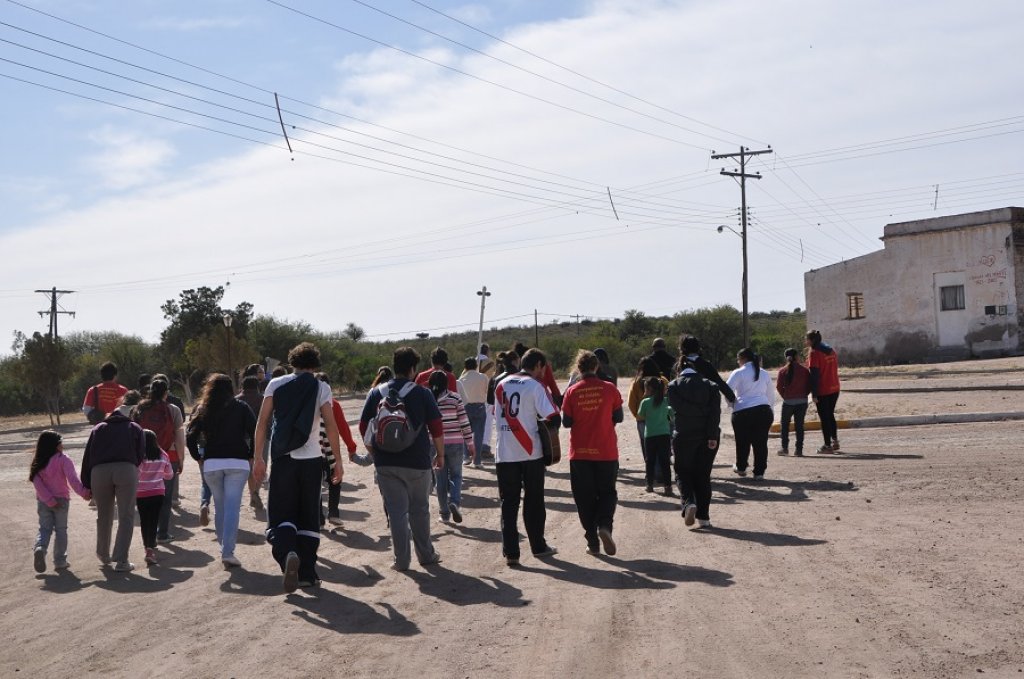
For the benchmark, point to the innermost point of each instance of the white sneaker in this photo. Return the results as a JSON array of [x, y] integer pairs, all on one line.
[[704, 523], [204, 515], [124, 566], [759, 477], [230, 562], [739, 472]]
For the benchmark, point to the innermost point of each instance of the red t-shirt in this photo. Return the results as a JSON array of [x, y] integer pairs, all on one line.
[[110, 394], [590, 403], [424, 377], [343, 429]]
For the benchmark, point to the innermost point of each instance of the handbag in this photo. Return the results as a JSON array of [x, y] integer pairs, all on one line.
[[550, 444], [96, 415]]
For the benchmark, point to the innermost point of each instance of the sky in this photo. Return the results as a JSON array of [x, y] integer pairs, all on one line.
[[557, 152]]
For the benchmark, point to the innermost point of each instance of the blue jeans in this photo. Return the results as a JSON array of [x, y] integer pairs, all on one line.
[[477, 413], [54, 520], [227, 486], [449, 477], [205, 494]]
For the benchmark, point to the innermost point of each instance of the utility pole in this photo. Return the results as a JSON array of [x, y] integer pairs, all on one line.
[[54, 294], [743, 155], [577, 325], [480, 333], [536, 330]]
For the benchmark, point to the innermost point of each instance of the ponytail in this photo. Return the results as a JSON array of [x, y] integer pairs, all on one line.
[[790, 360], [748, 355]]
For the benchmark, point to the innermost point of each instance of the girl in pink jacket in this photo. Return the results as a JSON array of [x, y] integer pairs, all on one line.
[[51, 473]]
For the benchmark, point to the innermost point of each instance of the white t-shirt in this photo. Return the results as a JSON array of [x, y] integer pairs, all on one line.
[[519, 402], [751, 393], [311, 448]]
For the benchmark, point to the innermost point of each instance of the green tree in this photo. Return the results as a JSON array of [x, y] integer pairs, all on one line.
[[353, 332], [44, 362], [273, 337], [635, 325]]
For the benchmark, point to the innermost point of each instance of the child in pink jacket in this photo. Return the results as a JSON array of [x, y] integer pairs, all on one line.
[[51, 473], [149, 495]]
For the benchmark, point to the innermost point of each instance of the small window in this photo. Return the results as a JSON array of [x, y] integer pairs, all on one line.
[[854, 305], [951, 298]]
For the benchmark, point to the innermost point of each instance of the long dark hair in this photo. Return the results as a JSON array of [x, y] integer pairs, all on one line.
[[157, 391], [657, 388], [217, 393], [384, 375], [648, 367], [153, 449], [688, 346], [46, 448], [748, 355], [790, 360], [438, 383]]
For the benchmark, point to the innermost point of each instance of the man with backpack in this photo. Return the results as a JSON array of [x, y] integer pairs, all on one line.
[[165, 420], [402, 428], [296, 404], [101, 399]]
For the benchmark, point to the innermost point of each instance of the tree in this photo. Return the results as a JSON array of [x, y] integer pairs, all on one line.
[[353, 332], [719, 329], [274, 338], [43, 363], [635, 325], [211, 352]]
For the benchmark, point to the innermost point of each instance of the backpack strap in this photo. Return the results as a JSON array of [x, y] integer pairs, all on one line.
[[406, 389]]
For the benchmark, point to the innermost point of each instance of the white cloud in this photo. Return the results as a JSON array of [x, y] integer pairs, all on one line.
[[128, 159]]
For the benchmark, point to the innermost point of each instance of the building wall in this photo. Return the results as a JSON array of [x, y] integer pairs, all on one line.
[[901, 306]]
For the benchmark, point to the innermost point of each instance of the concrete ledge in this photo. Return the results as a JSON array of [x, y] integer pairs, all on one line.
[[927, 390], [910, 420]]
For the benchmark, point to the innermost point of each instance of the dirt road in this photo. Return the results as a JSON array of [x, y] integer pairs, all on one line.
[[901, 557]]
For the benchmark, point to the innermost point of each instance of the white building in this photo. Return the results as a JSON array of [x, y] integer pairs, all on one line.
[[949, 287]]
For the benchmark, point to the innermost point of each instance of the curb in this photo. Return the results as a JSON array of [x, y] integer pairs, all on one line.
[[910, 420]]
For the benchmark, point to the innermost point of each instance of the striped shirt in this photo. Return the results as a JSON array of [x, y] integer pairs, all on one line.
[[454, 419], [152, 474]]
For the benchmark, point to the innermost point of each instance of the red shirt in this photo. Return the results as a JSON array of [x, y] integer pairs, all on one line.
[[548, 380], [343, 428], [590, 403], [424, 377], [797, 387], [110, 394], [827, 365]]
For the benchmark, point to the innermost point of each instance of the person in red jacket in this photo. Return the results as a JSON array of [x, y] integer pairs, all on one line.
[[823, 362], [793, 384], [334, 489]]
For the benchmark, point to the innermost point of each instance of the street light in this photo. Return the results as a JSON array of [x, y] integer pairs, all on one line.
[[480, 333], [746, 316], [228, 318]]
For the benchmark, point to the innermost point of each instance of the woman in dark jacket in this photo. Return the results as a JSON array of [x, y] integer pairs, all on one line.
[[220, 437], [695, 435]]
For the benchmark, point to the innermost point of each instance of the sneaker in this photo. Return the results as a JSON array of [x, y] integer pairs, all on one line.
[[164, 538], [512, 561], [704, 523], [669, 492], [783, 451], [825, 450], [456, 512], [39, 560], [467, 463], [398, 568], [311, 583], [256, 503], [798, 453], [204, 515], [606, 540], [444, 519], [549, 551], [594, 549], [835, 445], [230, 562], [124, 566], [334, 520], [650, 488], [739, 472], [432, 559], [62, 566], [478, 465], [689, 513], [151, 557], [759, 477], [290, 582]]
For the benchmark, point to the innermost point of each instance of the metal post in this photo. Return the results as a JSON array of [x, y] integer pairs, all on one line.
[[480, 333], [536, 330]]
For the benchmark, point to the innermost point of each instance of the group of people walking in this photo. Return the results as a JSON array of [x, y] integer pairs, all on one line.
[[419, 428]]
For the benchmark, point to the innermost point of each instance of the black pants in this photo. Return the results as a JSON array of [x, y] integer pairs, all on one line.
[[526, 478], [795, 412], [593, 489], [149, 515], [694, 461], [293, 511], [827, 415], [659, 459], [751, 427]]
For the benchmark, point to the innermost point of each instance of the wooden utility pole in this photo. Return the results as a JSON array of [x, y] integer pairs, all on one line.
[[536, 330], [480, 332], [54, 294], [743, 155]]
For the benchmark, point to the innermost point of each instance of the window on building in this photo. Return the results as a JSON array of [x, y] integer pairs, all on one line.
[[854, 305], [951, 298]]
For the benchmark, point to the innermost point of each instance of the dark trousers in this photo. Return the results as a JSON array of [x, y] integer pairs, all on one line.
[[526, 478], [593, 489], [163, 523], [149, 515], [827, 415], [694, 461], [751, 427], [293, 511], [795, 412], [659, 459], [333, 498]]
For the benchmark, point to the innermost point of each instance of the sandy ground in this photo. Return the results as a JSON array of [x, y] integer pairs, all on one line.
[[901, 557]]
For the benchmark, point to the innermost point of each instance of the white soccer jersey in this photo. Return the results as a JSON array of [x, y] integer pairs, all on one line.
[[519, 403]]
